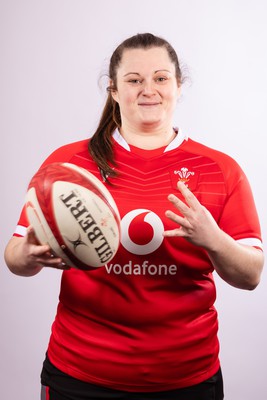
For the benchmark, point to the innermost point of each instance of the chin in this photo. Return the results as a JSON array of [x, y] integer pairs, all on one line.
[[151, 121], [151, 124]]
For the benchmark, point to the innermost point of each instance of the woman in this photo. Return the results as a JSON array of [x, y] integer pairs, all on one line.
[[144, 326]]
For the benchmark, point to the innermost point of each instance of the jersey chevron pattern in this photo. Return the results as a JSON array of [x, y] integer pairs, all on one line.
[[146, 321]]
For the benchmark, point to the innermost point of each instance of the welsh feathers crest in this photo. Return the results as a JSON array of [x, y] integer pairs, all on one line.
[[184, 174]]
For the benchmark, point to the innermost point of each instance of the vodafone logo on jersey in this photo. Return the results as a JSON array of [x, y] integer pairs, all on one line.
[[141, 231]]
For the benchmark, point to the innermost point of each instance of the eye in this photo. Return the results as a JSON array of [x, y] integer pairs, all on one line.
[[161, 79], [134, 81]]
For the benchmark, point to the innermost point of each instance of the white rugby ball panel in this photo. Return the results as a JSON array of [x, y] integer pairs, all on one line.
[[41, 228], [85, 223], [97, 183]]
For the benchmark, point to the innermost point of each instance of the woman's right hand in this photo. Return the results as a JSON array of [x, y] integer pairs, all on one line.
[[26, 257]]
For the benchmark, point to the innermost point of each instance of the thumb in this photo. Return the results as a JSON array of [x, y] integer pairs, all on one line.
[[32, 240], [31, 237]]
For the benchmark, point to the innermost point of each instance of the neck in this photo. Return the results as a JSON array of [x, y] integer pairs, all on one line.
[[148, 140]]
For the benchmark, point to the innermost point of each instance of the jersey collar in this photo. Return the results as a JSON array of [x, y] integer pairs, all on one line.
[[175, 143]]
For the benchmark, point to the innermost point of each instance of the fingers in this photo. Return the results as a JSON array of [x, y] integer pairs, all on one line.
[[190, 205], [62, 266], [42, 253], [189, 197], [187, 210], [54, 262], [185, 227], [178, 219], [194, 222], [48, 260], [179, 204], [174, 233]]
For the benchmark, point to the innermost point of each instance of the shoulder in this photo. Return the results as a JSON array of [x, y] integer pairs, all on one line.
[[66, 152], [72, 148], [210, 161], [202, 149], [224, 160]]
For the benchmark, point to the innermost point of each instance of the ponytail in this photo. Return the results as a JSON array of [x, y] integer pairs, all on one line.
[[100, 145]]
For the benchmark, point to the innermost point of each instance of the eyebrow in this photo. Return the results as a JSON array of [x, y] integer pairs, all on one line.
[[137, 73]]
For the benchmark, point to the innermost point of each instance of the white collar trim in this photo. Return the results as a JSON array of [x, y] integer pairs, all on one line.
[[175, 143], [119, 139]]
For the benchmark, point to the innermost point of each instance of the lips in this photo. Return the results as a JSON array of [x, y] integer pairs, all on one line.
[[148, 104]]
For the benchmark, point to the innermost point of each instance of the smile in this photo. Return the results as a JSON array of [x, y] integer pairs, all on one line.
[[148, 104]]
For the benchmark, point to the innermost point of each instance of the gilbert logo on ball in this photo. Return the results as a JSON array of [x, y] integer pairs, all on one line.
[[72, 211]]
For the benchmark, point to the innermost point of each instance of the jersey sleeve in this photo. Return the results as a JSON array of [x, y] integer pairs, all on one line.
[[22, 224], [239, 217]]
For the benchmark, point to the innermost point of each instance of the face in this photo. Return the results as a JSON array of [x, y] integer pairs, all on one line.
[[147, 89]]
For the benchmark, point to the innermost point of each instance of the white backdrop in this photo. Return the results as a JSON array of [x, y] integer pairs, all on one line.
[[52, 55]]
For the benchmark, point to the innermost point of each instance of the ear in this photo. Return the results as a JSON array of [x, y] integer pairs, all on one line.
[[113, 92]]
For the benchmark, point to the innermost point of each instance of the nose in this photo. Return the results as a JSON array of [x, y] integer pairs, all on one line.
[[148, 88]]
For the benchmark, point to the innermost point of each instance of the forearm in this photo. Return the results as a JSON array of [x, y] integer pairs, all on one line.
[[237, 264]]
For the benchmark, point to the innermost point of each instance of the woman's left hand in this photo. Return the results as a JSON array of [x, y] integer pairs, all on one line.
[[237, 264], [196, 223]]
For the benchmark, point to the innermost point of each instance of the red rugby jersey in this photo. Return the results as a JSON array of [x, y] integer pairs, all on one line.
[[146, 321]]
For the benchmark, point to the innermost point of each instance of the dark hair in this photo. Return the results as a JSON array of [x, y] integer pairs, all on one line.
[[100, 145]]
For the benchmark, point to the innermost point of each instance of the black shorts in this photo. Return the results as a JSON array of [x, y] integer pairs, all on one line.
[[56, 385]]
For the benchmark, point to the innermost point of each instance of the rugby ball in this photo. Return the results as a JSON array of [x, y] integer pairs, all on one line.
[[75, 214]]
